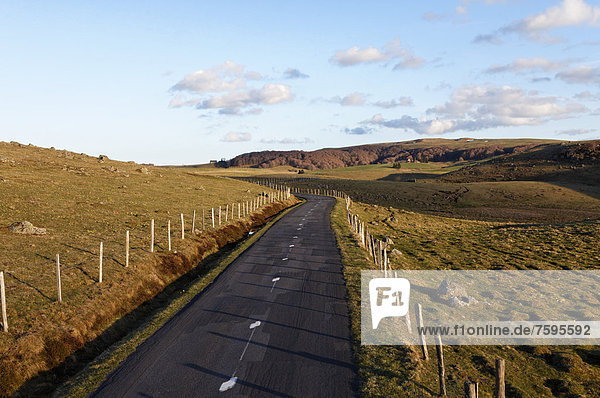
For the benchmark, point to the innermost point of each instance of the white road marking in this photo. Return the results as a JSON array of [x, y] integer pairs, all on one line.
[[291, 245], [274, 282], [228, 385], [284, 259], [253, 327]]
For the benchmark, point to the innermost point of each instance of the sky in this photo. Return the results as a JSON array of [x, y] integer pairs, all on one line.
[[184, 82]]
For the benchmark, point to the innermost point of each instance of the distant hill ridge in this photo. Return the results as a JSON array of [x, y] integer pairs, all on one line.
[[422, 150]]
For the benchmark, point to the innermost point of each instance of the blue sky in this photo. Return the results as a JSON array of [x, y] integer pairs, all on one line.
[[185, 82]]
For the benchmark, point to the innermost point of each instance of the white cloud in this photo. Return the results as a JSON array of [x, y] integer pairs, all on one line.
[[409, 61], [402, 101], [566, 13], [352, 99], [432, 16], [358, 131], [224, 87], [233, 136], [291, 73], [491, 38], [573, 132], [587, 95], [356, 55], [226, 77], [253, 76], [287, 141], [542, 79], [479, 107], [462, 7], [529, 65], [580, 75], [269, 94], [391, 51]]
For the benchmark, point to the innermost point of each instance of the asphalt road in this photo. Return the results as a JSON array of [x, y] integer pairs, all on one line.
[[274, 323]]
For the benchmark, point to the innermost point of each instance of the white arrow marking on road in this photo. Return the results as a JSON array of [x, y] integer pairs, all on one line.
[[255, 325], [284, 259], [274, 282], [291, 245], [228, 385]]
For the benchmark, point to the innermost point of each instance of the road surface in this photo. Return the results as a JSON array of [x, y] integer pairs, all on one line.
[[274, 323]]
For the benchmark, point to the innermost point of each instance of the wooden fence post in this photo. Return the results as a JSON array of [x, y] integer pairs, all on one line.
[[500, 387], [3, 302], [127, 249], [441, 372], [152, 236], [419, 330], [202, 219], [219, 216], [194, 222], [226, 213], [470, 390], [182, 228], [58, 284], [212, 212], [169, 233], [100, 265]]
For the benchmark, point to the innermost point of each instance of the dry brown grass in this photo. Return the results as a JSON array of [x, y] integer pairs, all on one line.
[[81, 202]]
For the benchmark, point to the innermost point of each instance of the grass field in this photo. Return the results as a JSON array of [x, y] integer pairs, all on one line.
[[81, 201], [432, 242], [386, 171], [519, 201]]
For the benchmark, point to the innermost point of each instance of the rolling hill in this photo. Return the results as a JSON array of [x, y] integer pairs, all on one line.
[[422, 150]]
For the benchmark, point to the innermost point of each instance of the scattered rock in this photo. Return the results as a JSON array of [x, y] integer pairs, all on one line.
[[102, 158], [4, 159], [123, 187], [143, 170], [454, 294], [26, 228], [373, 223], [396, 252], [389, 241]]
